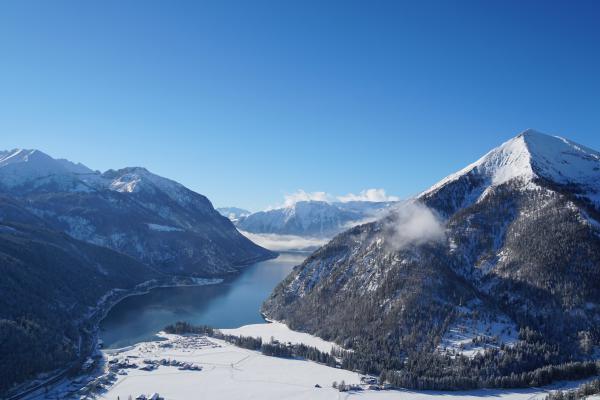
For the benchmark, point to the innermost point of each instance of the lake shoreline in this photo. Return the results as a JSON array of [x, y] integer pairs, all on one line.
[[252, 286], [89, 323]]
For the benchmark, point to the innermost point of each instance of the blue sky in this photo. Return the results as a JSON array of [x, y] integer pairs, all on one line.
[[247, 101]]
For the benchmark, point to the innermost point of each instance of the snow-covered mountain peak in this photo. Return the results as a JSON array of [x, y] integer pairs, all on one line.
[[25, 170], [140, 180], [529, 155], [40, 160], [127, 180], [126, 183], [15, 156], [23, 166], [561, 160], [135, 179]]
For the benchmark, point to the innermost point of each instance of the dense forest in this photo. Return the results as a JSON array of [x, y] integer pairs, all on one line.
[[44, 315], [530, 362]]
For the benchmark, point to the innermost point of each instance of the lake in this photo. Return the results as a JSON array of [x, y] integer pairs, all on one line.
[[230, 304]]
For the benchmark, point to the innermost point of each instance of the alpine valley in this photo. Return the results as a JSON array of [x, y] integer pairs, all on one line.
[[490, 278], [73, 241]]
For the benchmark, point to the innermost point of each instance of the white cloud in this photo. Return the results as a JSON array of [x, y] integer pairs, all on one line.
[[301, 195], [276, 242], [413, 223], [368, 195]]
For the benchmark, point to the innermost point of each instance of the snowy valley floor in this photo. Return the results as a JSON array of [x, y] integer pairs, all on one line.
[[229, 372]]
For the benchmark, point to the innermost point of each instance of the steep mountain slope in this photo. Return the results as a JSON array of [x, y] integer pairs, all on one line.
[[520, 238], [153, 219], [311, 218], [50, 284]]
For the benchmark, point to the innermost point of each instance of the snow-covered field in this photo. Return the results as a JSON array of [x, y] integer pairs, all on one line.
[[230, 372], [282, 333]]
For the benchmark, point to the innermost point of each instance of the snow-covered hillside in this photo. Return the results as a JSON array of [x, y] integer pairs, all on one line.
[[35, 170], [154, 219], [515, 235], [38, 161]]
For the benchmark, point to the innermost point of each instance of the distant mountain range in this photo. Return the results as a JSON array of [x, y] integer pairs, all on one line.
[[70, 235], [500, 259], [233, 213], [318, 219]]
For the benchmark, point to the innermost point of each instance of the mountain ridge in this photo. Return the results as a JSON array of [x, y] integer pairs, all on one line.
[[74, 199], [312, 218]]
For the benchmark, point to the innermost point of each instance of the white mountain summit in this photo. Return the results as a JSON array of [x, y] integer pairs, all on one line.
[[530, 155], [24, 171], [525, 159], [22, 166]]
